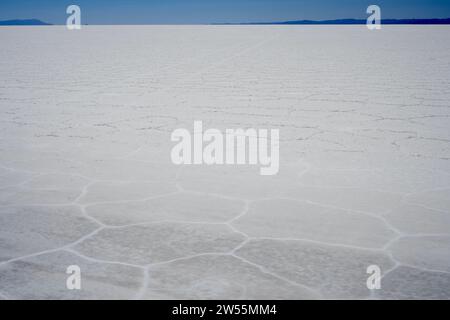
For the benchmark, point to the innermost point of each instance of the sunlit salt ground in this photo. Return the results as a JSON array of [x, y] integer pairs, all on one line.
[[86, 177]]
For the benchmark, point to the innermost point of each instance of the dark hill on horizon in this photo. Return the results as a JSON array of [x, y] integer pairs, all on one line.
[[445, 21], [345, 21], [26, 22]]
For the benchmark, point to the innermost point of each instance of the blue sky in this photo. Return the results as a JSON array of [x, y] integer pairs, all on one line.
[[208, 11]]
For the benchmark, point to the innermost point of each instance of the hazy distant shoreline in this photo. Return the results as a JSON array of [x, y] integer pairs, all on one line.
[[37, 22]]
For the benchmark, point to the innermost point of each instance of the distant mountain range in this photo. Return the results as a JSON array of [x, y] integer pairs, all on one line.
[[29, 22], [346, 21], [36, 22]]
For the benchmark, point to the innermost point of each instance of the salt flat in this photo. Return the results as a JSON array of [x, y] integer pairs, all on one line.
[[86, 177]]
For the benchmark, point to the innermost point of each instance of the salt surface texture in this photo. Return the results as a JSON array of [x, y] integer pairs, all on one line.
[[86, 177]]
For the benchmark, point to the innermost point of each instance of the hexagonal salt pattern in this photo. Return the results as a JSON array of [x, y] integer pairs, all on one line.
[[146, 244], [86, 177], [427, 252], [334, 271], [302, 220], [44, 277], [221, 277], [26, 230], [416, 219], [183, 206], [412, 283]]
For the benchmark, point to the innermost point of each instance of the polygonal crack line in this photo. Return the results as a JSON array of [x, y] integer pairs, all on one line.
[[240, 215], [80, 255], [423, 268], [32, 255], [228, 223], [374, 293], [91, 259], [381, 250], [89, 217], [246, 241], [249, 238], [70, 247], [130, 154], [145, 282], [146, 268], [416, 235], [211, 194], [111, 227], [67, 246], [378, 250], [322, 243], [372, 215], [18, 170], [264, 270], [84, 206], [416, 192], [424, 206], [84, 191], [390, 242], [399, 193], [300, 174], [398, 265], [344, 210], [89, 204], [105, 227], [144, 288], [23, 183]]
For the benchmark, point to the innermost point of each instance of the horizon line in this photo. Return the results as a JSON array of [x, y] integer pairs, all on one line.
[[344, 21]]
